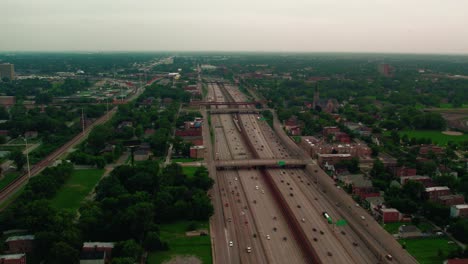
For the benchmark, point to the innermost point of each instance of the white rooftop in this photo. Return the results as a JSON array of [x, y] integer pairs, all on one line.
[[98, 244], [437, 188], [14, 238], [461, 206], [12, 256]]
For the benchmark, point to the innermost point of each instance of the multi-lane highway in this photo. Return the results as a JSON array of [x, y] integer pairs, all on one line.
[[276, 215]]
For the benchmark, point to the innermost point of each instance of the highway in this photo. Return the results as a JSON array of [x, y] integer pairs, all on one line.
[[251, 217], [292, 200]]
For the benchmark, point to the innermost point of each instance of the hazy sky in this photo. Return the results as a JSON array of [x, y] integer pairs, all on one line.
[[422, 26]]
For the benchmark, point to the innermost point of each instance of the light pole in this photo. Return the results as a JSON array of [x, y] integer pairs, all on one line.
[[27, 157]]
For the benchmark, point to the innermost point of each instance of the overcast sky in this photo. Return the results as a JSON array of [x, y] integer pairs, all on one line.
[[414, 26]]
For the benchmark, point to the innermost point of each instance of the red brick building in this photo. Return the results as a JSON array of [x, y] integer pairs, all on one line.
[[197, 152], [13, 259], [459, 210], [20, 244], [426, 149], [330, 131], [425, 180], [433, 193], [332, 159], [403, 171], [452, 199], [98, 247], [390, 215]]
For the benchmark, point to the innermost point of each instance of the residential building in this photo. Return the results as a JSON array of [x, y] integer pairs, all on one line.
[[425, 180], [13, 259], [332, 159], [403, 171], [433, 193], [452, 199], [7, 101], [386, 70], [20, 244], [7, 70], [390, 215], [197, 152], [459, 210]]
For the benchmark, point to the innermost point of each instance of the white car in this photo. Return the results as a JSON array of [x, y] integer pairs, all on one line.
[[231, 243], [268, 237], [249, 249], [256, 187]]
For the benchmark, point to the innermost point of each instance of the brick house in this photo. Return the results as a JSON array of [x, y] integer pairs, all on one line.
[[403, 171], [20, 244], [433, 193], [425, 180], [390, 215], [459, 210], [451, 199]]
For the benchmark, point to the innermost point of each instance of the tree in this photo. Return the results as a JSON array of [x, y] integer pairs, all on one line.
[[128, 249], [18, 158], [62, 252]]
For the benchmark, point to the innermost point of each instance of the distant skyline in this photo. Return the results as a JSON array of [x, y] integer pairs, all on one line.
[[380, 26]]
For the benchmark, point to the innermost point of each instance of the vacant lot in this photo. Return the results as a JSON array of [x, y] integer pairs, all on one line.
[[76, 188], [181, 245], [429, 250], [437, 137]]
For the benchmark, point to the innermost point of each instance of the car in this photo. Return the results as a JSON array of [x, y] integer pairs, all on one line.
[[303, 220], [235, 178], [248, 249], [268, 237], [357, 205], [229, 219], [389, 257], [256, 187], [263, 191], [231, 243]]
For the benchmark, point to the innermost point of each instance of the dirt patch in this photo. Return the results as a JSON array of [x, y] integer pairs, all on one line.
[[452, 133], [183, 260]]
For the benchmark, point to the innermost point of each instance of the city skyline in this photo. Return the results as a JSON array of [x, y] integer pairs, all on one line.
[[295, 26]]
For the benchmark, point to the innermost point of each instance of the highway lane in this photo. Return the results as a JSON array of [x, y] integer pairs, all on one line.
[[362, 253], [227, 140]]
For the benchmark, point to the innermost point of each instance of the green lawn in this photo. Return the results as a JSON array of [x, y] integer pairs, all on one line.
[[189, 171], [426, 250], [436, 136], [179, 244], [9, 177], [76, 189], [186, 160], [450, 106]]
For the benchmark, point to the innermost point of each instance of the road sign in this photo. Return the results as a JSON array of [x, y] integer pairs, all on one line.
[[281, 163]]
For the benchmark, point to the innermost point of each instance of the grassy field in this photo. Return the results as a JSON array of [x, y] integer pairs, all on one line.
[[436, 136], [450, 106], [189, 171], [76, 188], [429, 250], [179, 244], [9, 177], [186, 160]]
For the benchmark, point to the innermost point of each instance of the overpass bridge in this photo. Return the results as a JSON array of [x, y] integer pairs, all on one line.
[[255, 163], [208, 103], [235, 111]]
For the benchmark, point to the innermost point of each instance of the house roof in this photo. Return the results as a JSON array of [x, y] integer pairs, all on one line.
[[98, 244], [16, 238], [12, 256], [437, 188]]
